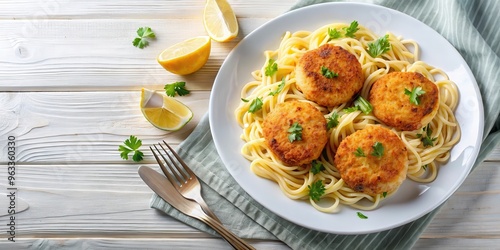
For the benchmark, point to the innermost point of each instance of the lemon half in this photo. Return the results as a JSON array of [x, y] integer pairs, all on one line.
[[220, 21], [187, 56], [164, 112]]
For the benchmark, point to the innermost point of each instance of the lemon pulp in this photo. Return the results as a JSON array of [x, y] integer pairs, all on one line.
[[164, 112]]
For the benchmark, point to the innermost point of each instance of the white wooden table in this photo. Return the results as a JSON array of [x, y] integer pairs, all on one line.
[[70, 83]]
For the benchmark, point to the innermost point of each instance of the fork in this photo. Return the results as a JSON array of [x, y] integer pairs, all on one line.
[[182, 178]]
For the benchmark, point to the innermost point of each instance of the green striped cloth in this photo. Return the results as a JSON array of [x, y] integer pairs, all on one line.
[[471, 26]]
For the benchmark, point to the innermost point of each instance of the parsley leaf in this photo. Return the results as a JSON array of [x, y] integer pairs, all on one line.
[[363, 105], [316, 190], [350, 109], [378, 149], [333, 34], [316, 167], [271, 68], [131, 145], [328, 73], [379, 47], [244, 100], [427, 140], [295, 132], [414, 94], [255, 105], [333, 121], [384, 194], [359, 152], [425, 167], [349, 31], [279, 89], [143, 34], [176, 87], [362, 216]]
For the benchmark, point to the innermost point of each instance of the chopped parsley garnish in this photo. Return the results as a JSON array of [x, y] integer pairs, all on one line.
[[414, 94], [316, 167], [425, 167], [379, 47], [131, 145], [271, 68], [384, 194], [295, 132], [333, 34], [363, 105], [378, 149], [143, 34], [349, 31], [362, 216], [245, 100], [316, 190], [279, 89], [332, 121], [427, 140], [328, 73], [359, 152], [350, 109], [255, 105], [176, 87]]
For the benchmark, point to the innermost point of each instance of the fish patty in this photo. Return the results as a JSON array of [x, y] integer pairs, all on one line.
[[329, 92], [393, 107], [371, 174], [314, 132]]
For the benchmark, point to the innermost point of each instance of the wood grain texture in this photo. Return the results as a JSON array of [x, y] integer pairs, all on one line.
[[70, 83]]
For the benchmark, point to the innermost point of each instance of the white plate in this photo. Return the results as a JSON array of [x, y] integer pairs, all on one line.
[[412, 200]]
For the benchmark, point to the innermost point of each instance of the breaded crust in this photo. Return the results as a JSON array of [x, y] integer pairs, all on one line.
[[393, 107], [325, 91], [314, 132], [370, 174]]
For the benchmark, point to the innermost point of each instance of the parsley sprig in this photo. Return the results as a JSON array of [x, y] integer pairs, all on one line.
[[332, 121], [378, 149], [415, 94], [361, 215], [328, 73], [359, 152], [255, 105], [176, 87], [316, 167], [271, 68], [316, 190], [426, 139], [379, 47], [279, 89], [143, 34], [295, 132], [333, 34], [132, 144], [349, 31]]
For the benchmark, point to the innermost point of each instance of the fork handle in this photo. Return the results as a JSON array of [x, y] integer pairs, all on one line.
[[231, 238]]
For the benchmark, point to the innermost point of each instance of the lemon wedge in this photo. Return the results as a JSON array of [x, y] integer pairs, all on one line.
[[164, 112], [220, 21], [187, 56]]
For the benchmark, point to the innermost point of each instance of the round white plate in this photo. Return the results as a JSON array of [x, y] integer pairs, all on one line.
[[412, 200]]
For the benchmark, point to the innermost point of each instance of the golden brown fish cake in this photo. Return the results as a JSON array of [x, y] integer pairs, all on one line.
[[325, 91], [371, 174], [393, 107], [314, 132]]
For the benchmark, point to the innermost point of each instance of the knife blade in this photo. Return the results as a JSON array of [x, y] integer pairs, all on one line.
[[163, 188]]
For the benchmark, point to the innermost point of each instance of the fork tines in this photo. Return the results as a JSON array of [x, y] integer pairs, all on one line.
[[172, 160]]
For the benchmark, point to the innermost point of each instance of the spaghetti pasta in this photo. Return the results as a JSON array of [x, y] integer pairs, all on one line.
[[294, 181]]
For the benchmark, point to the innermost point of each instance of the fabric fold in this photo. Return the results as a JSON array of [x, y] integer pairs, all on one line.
[[461, 23]]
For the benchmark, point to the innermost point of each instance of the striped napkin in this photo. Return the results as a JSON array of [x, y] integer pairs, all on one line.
[[469, 25]]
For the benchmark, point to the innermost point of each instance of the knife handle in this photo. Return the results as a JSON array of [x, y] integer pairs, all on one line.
[[231, 238]]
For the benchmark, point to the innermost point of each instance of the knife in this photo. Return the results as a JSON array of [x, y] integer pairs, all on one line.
[[162, 187]]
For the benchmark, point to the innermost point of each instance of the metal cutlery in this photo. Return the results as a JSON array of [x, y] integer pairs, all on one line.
[[181, 177], [162, 186]]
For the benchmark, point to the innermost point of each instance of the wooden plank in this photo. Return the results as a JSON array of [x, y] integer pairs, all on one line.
[[146, 9], [84, 127], [76, 55]]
